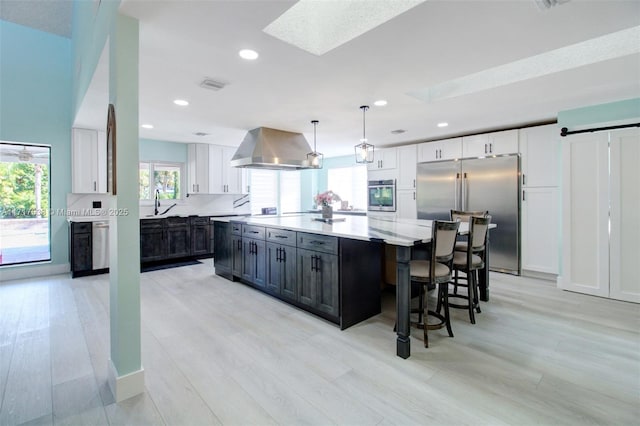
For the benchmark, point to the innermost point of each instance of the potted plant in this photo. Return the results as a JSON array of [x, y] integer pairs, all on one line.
[[325, 200]]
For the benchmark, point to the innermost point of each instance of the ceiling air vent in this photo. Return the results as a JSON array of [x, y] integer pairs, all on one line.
[[201, 134], [208, 83]]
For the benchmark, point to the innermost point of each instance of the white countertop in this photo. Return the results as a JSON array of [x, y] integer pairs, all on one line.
[[400, 232]]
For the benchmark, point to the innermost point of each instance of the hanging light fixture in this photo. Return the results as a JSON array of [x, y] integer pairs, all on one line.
[[364, 150], [314, 158]]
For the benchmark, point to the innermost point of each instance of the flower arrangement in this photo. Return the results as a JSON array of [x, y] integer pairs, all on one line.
[[326, 198]]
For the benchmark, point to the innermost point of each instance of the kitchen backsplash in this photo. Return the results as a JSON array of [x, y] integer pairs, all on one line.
[[203, 205]]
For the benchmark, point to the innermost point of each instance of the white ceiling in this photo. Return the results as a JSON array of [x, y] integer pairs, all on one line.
[[181, 42]]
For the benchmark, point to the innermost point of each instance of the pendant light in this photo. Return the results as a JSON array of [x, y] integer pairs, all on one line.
[[364, 150], [314, 158]]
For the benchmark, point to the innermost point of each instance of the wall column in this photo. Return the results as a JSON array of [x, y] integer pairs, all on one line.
[[126, 375]]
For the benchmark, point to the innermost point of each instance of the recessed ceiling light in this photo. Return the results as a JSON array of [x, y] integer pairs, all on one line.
[[381, 102], [181, 102], [248, 54], [443, 124], [147, 126]]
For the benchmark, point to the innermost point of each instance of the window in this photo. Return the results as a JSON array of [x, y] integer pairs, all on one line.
[[24, 203], [167, 180], [273, 188], [350, 183]]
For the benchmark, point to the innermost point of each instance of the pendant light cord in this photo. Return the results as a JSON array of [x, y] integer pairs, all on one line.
[[364, 109]]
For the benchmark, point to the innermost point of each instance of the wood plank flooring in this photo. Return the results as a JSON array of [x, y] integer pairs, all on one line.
[[217, 352]]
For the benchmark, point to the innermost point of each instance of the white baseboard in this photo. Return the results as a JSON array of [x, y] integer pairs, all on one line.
[[540, 275], [127, 386], [20, 272]]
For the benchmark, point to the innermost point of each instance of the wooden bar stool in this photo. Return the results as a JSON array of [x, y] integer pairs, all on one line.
[[436, 271], [469, 262]]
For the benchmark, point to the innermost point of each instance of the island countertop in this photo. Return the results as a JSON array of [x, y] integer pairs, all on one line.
[[399, 232]]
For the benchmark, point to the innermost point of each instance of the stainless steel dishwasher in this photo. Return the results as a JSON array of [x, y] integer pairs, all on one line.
[[100, 230]]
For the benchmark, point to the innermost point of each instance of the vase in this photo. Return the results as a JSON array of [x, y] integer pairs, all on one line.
[[327, 212]]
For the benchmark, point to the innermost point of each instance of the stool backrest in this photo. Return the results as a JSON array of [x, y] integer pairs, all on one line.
[[463, 216], [478, 229], [443, 239]]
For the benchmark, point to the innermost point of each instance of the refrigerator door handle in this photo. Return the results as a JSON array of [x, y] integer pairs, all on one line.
[[465, 196], [456, 194]]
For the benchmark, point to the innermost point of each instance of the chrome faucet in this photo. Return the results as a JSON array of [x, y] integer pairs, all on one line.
[[157, 202]]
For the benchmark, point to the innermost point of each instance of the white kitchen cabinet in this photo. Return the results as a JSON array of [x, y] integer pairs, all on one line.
[[384, 159], [445, 149], [224, 179], [406, 168], [198, 165], [210, 171], [406, 207], [540, 229], [88, 159], [600, 233], [540, 154], [496, 143]]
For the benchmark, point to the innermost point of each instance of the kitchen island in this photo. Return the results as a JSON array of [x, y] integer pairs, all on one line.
[[353, 280]]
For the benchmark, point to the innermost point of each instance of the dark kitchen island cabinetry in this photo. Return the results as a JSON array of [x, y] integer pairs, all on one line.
[[318, 273], [281, 263], [304, 269]]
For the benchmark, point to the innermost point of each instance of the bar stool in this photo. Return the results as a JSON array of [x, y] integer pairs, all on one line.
[[463, 216], [469, 262], [436, 271]]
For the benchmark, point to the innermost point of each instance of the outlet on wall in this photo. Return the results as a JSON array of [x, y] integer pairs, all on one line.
[[97, 204]]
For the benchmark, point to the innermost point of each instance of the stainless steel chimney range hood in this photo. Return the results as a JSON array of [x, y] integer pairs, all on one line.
[[266, 148]]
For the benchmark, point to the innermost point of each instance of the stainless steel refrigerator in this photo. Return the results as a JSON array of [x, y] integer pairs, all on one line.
[[491, 184]]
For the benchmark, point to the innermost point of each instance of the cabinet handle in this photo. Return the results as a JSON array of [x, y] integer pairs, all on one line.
[[278, 254], [414, 195], [239, 245], [317, 243], [94, 186], [248, 189], [414, 183], [253, 232], [280, 236], [523, 180], [523, 195], [491, 148], [485, 148]]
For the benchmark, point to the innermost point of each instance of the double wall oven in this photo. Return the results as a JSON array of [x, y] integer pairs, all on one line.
[[382, 195]]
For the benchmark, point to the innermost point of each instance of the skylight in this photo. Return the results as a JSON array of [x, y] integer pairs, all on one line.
[[320, 26]]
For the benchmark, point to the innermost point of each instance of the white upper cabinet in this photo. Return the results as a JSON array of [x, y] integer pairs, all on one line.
[[210, 171], [540, 149], [446, 149], [384, 159], [198, 164], [406, 167], [495, 143], [88, 158]]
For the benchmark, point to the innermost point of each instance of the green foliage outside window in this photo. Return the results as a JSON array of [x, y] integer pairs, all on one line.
[[18, 198]]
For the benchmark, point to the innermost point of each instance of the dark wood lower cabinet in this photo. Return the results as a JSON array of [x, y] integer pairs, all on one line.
[[200, 239], [222, 258], [152, 240], [254, 262], [178, 234], [318, 281], [281, 270], [236, 256]]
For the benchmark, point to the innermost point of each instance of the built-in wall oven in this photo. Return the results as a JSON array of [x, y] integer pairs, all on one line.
[[382, 195]]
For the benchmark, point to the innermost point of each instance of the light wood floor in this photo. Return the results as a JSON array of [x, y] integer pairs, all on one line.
[[217, 352]]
